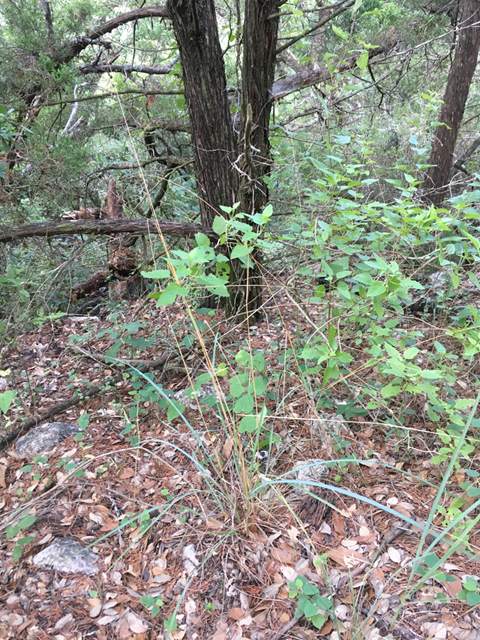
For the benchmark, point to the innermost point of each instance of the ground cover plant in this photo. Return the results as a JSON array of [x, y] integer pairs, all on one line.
[[239, 320]]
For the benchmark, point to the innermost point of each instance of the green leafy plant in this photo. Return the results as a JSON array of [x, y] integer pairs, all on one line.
[[153, 604], [310, 603], [470, 592], [14, 530]]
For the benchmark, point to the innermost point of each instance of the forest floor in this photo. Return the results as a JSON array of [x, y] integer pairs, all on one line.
[[221, 566]]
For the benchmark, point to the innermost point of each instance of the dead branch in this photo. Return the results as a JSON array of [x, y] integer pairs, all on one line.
[[125, 68]]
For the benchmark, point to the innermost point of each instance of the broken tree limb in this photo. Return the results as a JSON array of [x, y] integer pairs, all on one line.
[[103, 227]]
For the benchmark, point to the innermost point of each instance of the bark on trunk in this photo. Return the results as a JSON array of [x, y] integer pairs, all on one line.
[[259, 45], [454, 100], [195, 26]]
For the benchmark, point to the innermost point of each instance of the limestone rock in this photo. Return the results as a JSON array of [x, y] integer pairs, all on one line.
[[67, 556], [44, 438]]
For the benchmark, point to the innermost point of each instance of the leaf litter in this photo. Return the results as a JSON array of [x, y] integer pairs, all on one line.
[[209, 574]]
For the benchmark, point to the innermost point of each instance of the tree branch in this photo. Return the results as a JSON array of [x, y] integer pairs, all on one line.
[[73, 48], [112, 94], [466, 155], [103, 227], [316, 26], [298, 81], [125, 68]]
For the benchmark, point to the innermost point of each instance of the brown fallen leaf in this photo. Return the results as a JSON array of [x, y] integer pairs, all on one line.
[[453, 588], [235, 613], [338, 523], [347, 558], [3, 469], [286, 557]]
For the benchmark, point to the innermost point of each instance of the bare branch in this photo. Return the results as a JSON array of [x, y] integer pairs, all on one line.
[[125, 68], [112, 94], [458, 164]]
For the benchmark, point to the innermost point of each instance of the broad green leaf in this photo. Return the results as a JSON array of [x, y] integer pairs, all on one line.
[[158, 273], [236, 387], [219, 225], [473, 599], [240, 250], [439, 346], [310, 610], [17, 553], [169, 295], [248, 424], [258, 362], [26, 522], [309, 589], [243, 358], [362, 60], [339, 32], [12, 531], [202, 240], [244, 404], [410, 353], [174, 409], [83, 421], [6, 399], [376, 289], [318, 620], [390, 391], [474, 279], [258, 386], [214, 284], [475, 241]]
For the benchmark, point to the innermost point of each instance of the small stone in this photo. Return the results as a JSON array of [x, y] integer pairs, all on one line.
[[68, 556], [44, 438], [328, 427]]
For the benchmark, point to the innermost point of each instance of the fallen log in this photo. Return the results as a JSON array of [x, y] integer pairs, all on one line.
[[103, 227]]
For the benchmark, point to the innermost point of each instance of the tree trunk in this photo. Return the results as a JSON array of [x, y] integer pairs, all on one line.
[[260, 32], [195, 26], [454, 100]]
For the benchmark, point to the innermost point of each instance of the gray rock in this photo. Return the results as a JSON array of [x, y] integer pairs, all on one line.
[[312, 470], [67, 556], [44, 438], [329, 427]]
